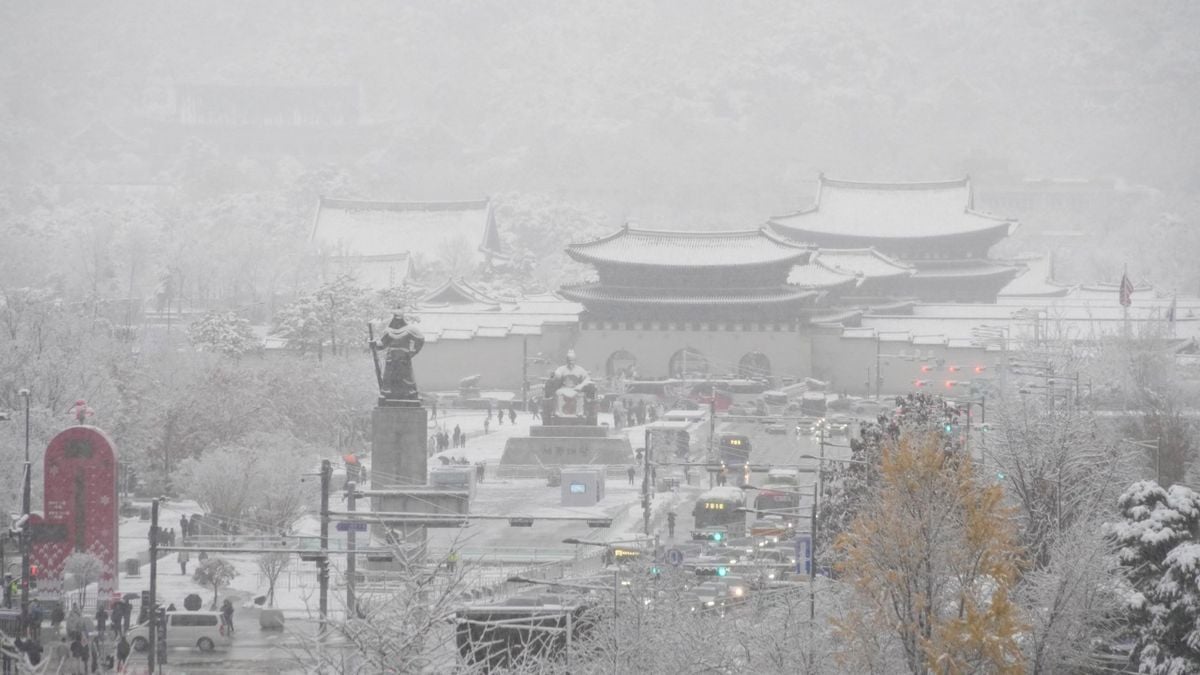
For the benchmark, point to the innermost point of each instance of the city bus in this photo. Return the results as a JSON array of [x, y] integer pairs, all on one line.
[[719, 514], [734, 449]]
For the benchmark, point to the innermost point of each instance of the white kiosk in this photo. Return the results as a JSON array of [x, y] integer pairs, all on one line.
[[582, 485]]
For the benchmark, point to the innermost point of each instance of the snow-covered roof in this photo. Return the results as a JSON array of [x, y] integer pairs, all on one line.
[[457, 291], [725, 492], [431, 230], [684, 248], [1036, 281], [650, 297], [527, 316], [831, 267], [874, 210]]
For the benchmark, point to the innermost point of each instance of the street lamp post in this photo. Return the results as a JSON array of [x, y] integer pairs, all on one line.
[[25, 506]]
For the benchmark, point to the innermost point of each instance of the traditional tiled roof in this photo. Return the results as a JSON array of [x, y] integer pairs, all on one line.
[[680, 248], [456, 291], [868, 210], [649, 297], [528, 316], [1036, 281], [347, 227], [830, 267], [963, 269]]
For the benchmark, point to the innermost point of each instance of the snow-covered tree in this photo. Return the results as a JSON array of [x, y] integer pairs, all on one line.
[[847, 484], [215, 573], [84, 570], [271, 565], [933, 558], [1157, 542], [224, 333]]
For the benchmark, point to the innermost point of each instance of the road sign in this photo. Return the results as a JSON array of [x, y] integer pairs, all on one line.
[[347, 526], [675, 557], [804, 554]]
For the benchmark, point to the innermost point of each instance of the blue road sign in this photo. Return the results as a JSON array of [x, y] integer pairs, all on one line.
[[675, 557], [804, 554], [351, 527]]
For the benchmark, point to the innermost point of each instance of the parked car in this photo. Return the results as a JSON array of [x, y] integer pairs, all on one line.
[[201, 630]]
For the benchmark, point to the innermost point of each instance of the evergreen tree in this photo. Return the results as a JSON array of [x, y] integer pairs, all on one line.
[[1157, 545]]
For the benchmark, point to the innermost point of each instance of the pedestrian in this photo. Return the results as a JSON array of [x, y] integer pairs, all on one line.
[[487, 422], [183, 527], [535, 409], [115, 617], [227, 616], [434, 410], [122, 653], [452, 562], [671, 524], [500, 417], [722, 476], [463, 440], [78, 654], [101, 618], [183, 559], [512, 415], [456, 435], [631, 472], [56, 617], [479, 469], [35, 621]]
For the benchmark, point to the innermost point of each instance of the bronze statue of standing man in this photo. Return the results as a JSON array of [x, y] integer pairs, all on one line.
[[401, 341]]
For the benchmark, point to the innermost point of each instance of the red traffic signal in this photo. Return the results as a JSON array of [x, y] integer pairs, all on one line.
[[954, 369], [920, 383], [980, 369], [926, 369], [950, 383]]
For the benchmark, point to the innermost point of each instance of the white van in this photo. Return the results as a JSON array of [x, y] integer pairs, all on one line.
[[201, 630]]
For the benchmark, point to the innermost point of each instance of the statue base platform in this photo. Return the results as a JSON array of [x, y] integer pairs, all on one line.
[[397, 403], [568, 449], [568, 431]]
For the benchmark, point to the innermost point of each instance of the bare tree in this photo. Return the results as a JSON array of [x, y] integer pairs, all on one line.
[[84, 570], [272, 565]]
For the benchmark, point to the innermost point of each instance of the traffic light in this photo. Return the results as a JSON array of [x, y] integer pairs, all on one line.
[[655, 571], [948, 427], [920, 383], [33, 577], [718, 571], [954, 369], [926, 369], [980, 369], [715, 537]]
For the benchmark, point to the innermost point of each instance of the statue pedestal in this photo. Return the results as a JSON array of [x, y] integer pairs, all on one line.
[[398, 458], [399, 442]]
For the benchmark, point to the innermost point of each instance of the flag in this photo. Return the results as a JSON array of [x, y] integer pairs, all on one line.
[[1126, 292], [1171, 311]]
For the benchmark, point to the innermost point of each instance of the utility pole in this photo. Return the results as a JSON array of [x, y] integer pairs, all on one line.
[[323, 563], [812, 569], [26, 540], [351, 611], [525, 370], [153, 650], [646, 486], [712, 434]]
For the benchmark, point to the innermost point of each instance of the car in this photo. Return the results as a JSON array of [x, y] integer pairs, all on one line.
[[807, 426], [772, 528], [202, 630], [837, 426], [869, 408], [776, 428]]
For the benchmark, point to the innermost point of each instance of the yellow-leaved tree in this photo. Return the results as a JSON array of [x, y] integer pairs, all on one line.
[[932, 559]]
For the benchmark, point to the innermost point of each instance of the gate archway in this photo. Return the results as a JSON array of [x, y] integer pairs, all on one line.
[[688, 362], [621, 363], [754, 364]]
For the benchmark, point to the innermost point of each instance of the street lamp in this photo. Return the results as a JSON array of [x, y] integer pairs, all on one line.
[[25, 505]]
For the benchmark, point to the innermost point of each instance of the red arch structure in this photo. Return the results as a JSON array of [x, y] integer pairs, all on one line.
[[80, 508]]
